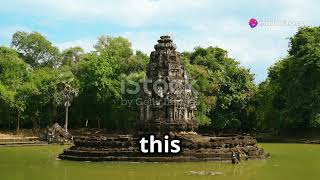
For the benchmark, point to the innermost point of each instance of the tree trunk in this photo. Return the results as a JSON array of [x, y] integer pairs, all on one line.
[[99, 126], [66, 119], [54, 113], [50, 115], [34, 122], [39, 123], [18, 121]]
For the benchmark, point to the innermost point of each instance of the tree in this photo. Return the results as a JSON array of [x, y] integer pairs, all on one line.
[[14, 82], [100, 74], [56, 88], [69, 87], [293, 85], [225, 89], [35, 49], [114, 46], [71, 55]]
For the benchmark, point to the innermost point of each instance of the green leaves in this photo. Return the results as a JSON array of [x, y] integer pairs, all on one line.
[[34, 75], [225, 89], [15, 88], [71, 56], [98, 75], [293, 84], [35, 49], [7, 96], [114, 47]]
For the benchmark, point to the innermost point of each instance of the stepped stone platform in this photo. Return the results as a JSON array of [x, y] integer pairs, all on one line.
[[26, 141], [194, 148]]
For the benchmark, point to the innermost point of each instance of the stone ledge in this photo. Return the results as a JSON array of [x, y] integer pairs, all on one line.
[[194, 148]]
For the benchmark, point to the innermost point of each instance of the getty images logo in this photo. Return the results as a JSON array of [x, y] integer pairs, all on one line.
[[253, 22]]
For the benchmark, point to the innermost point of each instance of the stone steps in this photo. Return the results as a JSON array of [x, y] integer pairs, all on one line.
[[22, 142], [142, 158], [127, 155], [152, 158], [194, 148], [102, 153]]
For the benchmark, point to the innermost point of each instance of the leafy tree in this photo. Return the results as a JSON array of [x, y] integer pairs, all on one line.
[[225, 89], [35, 49], [293, 85], [71, 55], [14, 86], [69, 88], [114, 46], [51, 84], [100, 75]]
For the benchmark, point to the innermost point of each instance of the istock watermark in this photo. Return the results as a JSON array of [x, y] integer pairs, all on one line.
[[152, 102], [159, 86], [163, 89]]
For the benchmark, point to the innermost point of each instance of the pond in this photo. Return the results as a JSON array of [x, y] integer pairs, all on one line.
[[289, 161]]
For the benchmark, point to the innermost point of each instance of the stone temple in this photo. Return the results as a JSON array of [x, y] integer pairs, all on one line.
[[169, 108], [172, 104]]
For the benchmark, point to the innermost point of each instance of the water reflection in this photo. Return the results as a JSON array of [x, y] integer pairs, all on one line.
[[294, 161]]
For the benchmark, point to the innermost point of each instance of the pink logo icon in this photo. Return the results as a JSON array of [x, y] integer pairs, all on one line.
[[253, 22]]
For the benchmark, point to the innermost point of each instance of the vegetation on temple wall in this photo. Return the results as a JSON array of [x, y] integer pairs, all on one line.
[[33, 71]]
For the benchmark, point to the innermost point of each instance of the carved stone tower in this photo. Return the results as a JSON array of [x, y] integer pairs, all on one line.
[[168, 100]]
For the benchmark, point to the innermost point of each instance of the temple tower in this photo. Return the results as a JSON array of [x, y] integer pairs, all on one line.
[[168, 100]]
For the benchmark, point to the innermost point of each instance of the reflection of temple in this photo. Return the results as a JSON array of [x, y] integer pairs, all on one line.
[[167, 87]]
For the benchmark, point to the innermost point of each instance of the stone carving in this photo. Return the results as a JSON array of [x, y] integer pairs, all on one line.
[[168, 86], [58, 134]]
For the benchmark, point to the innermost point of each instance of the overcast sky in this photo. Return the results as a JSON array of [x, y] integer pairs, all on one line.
[[190, 23]]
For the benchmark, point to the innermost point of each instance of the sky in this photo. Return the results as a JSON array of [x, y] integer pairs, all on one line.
[[190, 23]]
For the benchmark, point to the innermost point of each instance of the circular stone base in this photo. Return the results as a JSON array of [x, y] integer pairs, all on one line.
[[193, 148]]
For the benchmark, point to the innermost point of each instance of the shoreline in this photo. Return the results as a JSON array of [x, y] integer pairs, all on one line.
[[24, 145], [27, 137], [288, 140]]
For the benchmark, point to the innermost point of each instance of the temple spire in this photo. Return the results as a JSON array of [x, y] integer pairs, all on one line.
[[174, 103]]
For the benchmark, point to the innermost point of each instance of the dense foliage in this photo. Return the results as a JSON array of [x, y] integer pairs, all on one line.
[[34, 75], [290, 96], [225, 89]]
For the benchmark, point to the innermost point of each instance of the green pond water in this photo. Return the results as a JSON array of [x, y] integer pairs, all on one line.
[[288, 162]]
